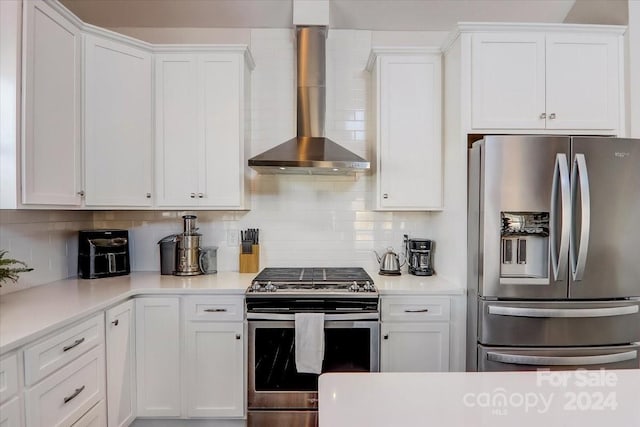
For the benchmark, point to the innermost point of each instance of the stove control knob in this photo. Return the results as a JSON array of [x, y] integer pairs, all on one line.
[[270, 287], [255, 286], [368, 287], [354, 287]]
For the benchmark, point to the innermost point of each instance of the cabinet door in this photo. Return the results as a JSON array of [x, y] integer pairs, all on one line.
[[158, 357], [117, 124], [51, 100], [221, 169], [120, 337], [10, 413], [583, 81], [215, 369], [177, 135], [410, 146], [508, 81], [414, 347]]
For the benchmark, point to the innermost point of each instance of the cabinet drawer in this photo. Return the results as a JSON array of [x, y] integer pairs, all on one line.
[[55, 351], [415, 309], [10, 413], [8, 376], [62, 398], [96, 417], [219, 308]]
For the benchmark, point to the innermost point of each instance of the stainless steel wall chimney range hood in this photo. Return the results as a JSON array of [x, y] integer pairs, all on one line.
[[310, 153]]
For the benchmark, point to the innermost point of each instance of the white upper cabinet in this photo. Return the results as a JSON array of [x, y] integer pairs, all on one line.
[[89, 109], [583, 81], [117, 124], [201, 140], [546, 80], [176, 138], [508, 80], [407, 96], [51, 167]]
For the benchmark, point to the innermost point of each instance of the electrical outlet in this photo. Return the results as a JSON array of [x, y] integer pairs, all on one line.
[[233, 238]]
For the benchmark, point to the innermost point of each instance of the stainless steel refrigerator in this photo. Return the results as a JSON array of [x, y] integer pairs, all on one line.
[[554, 253]]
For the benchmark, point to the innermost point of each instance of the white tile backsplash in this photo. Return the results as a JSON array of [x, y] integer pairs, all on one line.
[[46, 240], [304, 220]]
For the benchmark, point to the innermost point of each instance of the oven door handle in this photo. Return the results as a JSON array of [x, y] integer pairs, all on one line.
[[327, 317]]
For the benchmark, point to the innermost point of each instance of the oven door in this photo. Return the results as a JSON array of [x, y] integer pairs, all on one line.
[[274, 383]]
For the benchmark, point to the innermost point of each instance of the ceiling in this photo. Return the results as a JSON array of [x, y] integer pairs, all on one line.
[[393, 15]]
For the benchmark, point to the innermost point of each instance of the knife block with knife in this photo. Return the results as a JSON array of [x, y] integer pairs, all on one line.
[[249, 251]]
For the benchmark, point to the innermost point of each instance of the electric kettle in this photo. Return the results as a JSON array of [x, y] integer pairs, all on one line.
[[389, 263]]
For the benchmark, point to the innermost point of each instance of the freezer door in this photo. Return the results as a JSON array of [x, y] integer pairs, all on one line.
[[605, 236], [494, 359], [520, 230], [558, 323]]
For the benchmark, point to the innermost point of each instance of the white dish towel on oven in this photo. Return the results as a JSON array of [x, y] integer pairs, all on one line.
[[309, 342]]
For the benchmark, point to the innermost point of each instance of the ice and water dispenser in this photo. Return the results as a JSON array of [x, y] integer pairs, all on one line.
[[524, 245]]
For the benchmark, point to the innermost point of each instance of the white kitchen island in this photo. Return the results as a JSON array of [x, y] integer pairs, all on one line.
[[545, 399]]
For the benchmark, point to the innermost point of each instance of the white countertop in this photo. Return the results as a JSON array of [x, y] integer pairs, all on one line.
[[29, 314], [410, 284], [461, 399], [34, 312]]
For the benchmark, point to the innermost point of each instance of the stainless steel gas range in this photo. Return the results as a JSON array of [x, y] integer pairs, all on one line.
[[277, 393]]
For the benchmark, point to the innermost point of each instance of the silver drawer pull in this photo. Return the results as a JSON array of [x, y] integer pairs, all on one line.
[[74, 395], [75, 344], [563, 312], [421, 310], [600, 359], [215, 310]]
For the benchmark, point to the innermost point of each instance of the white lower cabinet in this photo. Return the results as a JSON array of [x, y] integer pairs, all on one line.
[[158, 356], [415, 334], [63, 397], [95, 417], [215, 369], [414, 347], [10, 391], [120, 340], [10, 413], [192, 368]]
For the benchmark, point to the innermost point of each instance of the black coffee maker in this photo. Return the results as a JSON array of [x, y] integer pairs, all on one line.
[[420, 256], [103, 253]]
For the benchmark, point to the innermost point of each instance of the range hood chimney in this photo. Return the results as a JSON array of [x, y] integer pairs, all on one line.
[[310, 153]]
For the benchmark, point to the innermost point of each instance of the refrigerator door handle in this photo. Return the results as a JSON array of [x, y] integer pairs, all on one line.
[[601, 359], [559, 258], [580, 175], [563, 312]]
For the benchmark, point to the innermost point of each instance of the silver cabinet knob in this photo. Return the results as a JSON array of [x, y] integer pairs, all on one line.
[[192, 195], [148, 195], [200, 195], [115, 322], [552, 116], [81, 193], [385, 196], [543, 115], [238, 336], [386, 337]]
